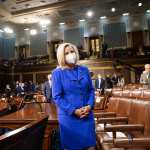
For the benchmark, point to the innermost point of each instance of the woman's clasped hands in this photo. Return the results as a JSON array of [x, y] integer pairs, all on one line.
[[83, 111]]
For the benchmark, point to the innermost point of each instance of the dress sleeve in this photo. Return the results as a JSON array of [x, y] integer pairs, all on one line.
[[57, 94], [91, 100]]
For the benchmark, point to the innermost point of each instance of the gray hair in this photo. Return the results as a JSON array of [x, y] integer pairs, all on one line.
[[147, 66]]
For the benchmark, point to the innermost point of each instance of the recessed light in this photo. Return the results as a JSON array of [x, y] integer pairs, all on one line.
[[33, 32], [82, 20], [61, 23], [148, 11], [103, 17], [89, 13], [125, 14], [140, 4], [8, 30], [45, 22], [113, 9]]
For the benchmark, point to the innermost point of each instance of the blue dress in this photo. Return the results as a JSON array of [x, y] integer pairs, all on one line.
[[72, 89]]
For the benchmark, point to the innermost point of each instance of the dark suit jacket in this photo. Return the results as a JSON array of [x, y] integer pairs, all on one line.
[[102, 85], [47, 90], [108, 83]]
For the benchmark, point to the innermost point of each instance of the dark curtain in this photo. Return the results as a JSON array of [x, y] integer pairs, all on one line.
[[74, 36], [115, 34], [8, 47], [38, 44]]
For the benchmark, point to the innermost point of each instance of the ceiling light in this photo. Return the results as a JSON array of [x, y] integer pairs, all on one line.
[[125, 14], [113, 9], [33, 32], [148, 11], [26, 29], [82, 20], [8, 30], [44, 22], [140, 4], [103, 17], [61, 23], [89, 13]]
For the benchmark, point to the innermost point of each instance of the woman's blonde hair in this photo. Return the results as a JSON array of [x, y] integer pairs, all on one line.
[[61, 54]]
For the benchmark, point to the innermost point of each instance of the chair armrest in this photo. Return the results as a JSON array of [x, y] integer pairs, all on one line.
[[113, 120], [132, 143], [124, 128], [104, 114]]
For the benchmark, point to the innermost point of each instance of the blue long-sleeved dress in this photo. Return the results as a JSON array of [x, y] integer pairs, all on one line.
[[72, 89]]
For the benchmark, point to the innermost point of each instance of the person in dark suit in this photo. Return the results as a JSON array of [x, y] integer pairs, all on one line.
[[114, 79], [47, 88], [100, 84], [104, 50], [108, 82]]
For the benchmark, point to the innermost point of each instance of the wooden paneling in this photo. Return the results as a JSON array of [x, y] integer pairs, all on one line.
[[137, 39], [16, 77], [27, 77], [41, 77]]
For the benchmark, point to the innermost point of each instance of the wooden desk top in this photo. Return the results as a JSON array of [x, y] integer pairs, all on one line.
[[31, 112], [3, 106]]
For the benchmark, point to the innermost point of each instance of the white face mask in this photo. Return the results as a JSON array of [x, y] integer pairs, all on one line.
[[71, 58]]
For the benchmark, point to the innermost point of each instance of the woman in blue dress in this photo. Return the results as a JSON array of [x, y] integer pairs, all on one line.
[[73, 95]]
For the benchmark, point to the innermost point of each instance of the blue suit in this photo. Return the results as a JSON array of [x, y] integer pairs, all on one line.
[[72, 89]]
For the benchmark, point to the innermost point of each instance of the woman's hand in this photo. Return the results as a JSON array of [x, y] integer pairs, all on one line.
[[83, 112], [79, 112], [86, 110]]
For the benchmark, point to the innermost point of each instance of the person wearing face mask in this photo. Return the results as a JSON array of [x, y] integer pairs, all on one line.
[[73, 95]]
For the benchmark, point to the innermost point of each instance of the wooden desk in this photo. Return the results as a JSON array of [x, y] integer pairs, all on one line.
[[3, 106], [29, 113]]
